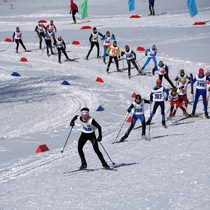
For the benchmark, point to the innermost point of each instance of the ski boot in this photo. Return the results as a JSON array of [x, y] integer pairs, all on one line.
[[105, 165], [83, 166], [206, 115], [164, 124], [149, 121], [124, 137]]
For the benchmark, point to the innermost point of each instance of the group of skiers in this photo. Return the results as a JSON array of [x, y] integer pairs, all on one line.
[[177, 94]]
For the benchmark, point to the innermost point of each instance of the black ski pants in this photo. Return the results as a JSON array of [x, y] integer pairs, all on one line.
[[92, 44], [110, 61], [167, 78], [84, 137], [151, 8], [73, 15], [21, 42], [41, 36], [61, 49], [129, 65]]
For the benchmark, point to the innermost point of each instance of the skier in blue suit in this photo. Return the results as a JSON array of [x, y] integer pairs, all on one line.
[[159, 95], [201, 80], [108, 38], [151, 54]]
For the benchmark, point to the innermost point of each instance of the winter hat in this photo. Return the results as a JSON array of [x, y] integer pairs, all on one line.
[[200, 71], [153, 46], [158, 82], [174, 89], [138, 96], [160, 63], [182, 71], [126, 47]]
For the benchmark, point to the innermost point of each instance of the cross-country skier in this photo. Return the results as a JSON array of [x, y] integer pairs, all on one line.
[[48, 40], [17, 37], [182, 74], [73, 10], [138, 113], [114, 53], [107, 41], [51, 26], [157, 95], [88, 127], [201, 81], [207, 88], [130, 58], [151, 7], [151, 54], [94, 41], [175, 103], [182, 90], [61, 47], [41, 30], [163, 72]]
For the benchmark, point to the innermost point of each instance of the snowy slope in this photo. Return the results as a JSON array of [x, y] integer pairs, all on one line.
[[169, 172]]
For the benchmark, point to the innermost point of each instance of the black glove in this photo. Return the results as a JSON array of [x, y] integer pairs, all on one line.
[[69, 12], [129, 110], [166, 99], [72, 124], [145, 54], [99, 138], [192, 91], [119, 56]]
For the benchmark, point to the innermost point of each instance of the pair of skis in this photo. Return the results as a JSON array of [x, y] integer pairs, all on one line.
[[88, 170]]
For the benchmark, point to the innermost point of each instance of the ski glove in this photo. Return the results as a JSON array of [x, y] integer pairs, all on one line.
[[72, 124], [129, 110], [192, 91], [99, 138]]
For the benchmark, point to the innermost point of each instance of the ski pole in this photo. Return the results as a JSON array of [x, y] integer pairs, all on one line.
[[55, 53], [106, 153], [138, 65], [150, 110], [121, 126], [123, 65], [9, 46], [43, 47], [62, 150], [141, 58]]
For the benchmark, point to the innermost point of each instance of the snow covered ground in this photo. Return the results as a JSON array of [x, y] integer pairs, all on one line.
[[169, 172]]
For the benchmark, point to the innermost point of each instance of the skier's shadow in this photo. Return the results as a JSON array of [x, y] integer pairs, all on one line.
[[123, 165]]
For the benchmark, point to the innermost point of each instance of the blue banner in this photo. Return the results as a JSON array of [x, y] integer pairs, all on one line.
[[131, 5], [192, 8]]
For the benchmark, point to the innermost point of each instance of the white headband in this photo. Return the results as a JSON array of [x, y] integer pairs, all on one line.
[[84, 112]]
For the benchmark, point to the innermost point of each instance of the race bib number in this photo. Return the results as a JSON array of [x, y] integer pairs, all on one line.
[[114, 51], [138, 110], [200, 84], [158, 95]]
